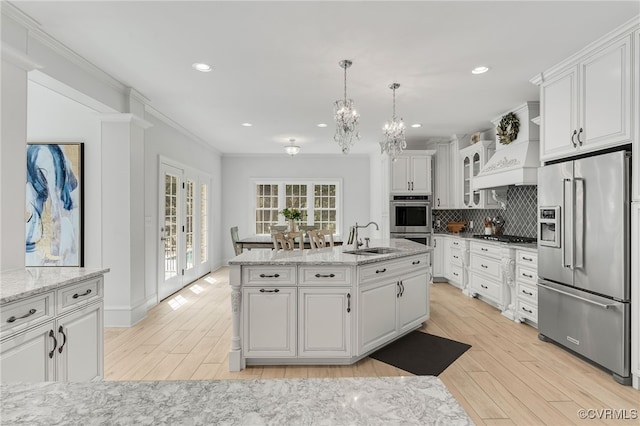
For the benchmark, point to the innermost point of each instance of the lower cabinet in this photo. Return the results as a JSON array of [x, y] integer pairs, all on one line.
[[526, 287], [324, 321], [412, 309], [25, 357], [485, 277], [377, 313], [437, 260]]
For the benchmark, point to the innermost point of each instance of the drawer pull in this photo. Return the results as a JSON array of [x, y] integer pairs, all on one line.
[[28, 314], [455, 243], [55, 343], [528, 259], [528, 293], [275, 290], [64, 336], [484, 249], [484, 266], [86, 293], [455, 257], [379, 271], [325, 276], [527, 310], [269, 276], [527, 275], [484, 286], [455, 273], [348, 302], [415, 262]]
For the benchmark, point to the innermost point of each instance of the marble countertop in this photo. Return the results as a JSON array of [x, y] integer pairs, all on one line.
[[469, 236], [418, 400], [17, 284], [330, 255]]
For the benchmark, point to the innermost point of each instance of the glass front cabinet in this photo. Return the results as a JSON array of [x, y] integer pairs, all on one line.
[[473, 158]]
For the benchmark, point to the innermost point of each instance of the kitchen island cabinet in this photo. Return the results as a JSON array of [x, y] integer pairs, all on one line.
[[325, 306]]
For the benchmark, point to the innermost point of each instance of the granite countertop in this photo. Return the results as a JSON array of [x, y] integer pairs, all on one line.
[[469, 236], [331, 255], [418, 400], [19, 283]]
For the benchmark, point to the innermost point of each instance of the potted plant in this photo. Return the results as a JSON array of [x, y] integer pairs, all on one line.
[[291, 215]]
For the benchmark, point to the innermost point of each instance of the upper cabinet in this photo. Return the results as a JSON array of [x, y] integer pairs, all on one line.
[[411, 173], [472, 159], [586, 102], [445, 186]]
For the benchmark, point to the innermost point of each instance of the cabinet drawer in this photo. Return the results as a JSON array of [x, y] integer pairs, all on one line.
[[527, 258], [383, 270], [456, 256], [528, 311], [486, 287], [485, 249], [79, 294], [268, 275], [528, 294], [325, 275], [25, 313], [485, 265], [456, 243], [526, 275], [456, 274]]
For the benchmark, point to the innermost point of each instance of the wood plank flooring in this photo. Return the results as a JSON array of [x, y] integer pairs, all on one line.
[[508, 377]]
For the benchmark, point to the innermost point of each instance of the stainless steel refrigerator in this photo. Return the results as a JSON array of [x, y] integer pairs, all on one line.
[[583, 259]]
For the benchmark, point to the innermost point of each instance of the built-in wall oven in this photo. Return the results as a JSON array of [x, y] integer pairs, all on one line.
[[410, 217]]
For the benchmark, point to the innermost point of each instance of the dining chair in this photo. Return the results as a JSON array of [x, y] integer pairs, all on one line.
[[287, 240], [318, 238], [235, 239]]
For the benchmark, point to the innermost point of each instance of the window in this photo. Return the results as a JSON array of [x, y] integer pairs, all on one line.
[[204, 228], [318, 201], [190, 201]]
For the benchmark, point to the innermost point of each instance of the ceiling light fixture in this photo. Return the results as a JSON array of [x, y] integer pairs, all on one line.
[[292, 149], [202, 67], [346, 116], [479, 70], [246, 124], [394, 141], [322, 125], [416, 125]]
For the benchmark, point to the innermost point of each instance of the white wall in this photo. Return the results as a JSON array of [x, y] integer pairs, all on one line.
[[237, 191]]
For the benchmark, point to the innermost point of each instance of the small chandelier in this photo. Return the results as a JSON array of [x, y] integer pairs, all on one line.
[[346, 116], [292, 149], [394, 141]]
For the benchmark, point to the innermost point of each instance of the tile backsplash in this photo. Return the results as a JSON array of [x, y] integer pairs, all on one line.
[[520, 216]]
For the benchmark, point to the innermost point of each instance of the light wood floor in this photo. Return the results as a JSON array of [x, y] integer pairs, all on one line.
[[507, 377]]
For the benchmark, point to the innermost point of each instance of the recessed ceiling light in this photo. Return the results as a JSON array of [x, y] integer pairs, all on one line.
[[416, 125], [322, 125], [247, 124], [202, 67], [479, 70]]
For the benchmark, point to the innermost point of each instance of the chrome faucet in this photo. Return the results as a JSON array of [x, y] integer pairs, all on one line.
[[357, 243]]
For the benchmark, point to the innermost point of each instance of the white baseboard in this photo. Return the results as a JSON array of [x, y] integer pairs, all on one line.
[[124, 316]]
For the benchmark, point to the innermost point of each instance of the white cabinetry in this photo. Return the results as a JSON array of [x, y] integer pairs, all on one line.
[[455, 261], [55, 335], [446, 181], [485, 273], [393, 298], [635, 294], [411, 173], [325, 322], [472, 159], [526, 286], [437, 256], [585, 104]]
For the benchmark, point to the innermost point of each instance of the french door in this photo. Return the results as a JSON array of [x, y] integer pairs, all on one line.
[[184, 228]]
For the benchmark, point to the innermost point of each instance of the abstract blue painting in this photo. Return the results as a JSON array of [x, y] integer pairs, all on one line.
[[53, 217]]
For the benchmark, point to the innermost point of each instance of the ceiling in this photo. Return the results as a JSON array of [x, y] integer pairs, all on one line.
[[275, 64]]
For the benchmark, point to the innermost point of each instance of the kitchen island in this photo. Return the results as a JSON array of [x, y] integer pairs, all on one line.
[[325, 306]]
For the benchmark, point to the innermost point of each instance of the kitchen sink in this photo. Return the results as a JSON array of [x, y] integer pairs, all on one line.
[[372, 250]]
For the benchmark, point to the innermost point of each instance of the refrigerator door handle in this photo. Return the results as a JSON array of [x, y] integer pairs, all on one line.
[[602, 305], [579, 214], [568, 214]]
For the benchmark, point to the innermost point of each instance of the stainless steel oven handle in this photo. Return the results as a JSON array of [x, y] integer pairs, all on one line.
[[602, 305]]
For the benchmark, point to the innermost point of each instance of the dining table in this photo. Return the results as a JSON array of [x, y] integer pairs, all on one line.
[[264, 241]]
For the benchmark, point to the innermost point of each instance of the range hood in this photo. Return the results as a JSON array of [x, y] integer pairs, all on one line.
[[516, 164]]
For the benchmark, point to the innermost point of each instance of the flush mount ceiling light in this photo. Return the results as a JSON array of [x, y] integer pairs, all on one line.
[[394, 141], [246, 124], [346, 116], [292, 149], [479, 70], [199, 66], [322, 125], [416, 125]]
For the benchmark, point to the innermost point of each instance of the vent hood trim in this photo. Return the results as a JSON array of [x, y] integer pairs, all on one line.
[[516, 164]]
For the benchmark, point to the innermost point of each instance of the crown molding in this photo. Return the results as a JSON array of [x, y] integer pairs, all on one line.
[[134, 94], [18, 58], [11, 11], [125, 118]]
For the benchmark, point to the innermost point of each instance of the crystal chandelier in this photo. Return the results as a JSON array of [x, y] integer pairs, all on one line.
[[292, 149], [346, 116], [394, 141]]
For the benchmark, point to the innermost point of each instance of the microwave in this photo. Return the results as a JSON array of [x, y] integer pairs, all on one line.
[[410, 214]]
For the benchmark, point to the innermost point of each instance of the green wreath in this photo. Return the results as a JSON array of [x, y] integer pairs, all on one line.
[[508, 128]]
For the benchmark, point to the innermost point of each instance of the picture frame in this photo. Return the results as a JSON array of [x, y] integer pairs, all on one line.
[[54, 211]]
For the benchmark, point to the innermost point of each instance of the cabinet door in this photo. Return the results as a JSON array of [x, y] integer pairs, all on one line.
[[269, 322], [441, 185], [559, 114], [438, 256], [446, 255], [467, 170], [421, 174], [25, 356], [376, 314], [324, 322], [400, 175], [413, 303], [605, 97], [80, 352], [455, 198]]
